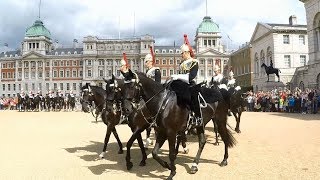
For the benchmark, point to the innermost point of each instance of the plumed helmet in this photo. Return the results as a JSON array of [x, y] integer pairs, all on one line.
[[184, 48], [124, 61], [148, 58]]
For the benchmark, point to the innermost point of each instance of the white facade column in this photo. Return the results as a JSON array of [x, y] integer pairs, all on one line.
[[50, 73], [205, 69], [37, 70]]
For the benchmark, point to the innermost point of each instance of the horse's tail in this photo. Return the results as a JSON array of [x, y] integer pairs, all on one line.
[[221, 118]]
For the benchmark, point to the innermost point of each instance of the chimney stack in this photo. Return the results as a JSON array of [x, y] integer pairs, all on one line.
[[293, 20]]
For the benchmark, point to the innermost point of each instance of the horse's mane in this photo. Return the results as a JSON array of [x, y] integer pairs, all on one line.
[[99, 90], [155, 86]]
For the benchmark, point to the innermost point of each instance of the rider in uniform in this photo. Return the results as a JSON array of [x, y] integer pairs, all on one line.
[[271, 64], [23, 94], [152, 72], [31, 95], [124, 69], [188, 70]]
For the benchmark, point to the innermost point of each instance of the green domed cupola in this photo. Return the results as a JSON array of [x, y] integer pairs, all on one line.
[[208, 26], [38, 29]]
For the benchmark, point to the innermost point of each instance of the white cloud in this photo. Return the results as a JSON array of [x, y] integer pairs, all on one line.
[[167, 20]]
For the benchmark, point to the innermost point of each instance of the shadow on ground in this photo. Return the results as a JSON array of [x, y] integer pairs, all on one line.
[[117, 161]]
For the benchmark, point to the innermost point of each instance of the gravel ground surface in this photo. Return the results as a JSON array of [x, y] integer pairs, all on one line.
[[66, 145]]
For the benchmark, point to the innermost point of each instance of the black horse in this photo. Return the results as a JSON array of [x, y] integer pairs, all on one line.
[[172, 118], [237, 105], [99, 96], [271, 70]]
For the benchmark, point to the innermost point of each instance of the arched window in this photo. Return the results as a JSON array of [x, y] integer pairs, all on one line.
[[316, 31], [262, 60], [256, 66], [318, 81]]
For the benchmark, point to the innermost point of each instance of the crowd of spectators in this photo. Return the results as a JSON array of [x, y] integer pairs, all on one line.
[[284, 100]]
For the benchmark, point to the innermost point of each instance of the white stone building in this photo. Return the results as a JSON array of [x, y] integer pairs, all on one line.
[[286, 45], [309, 76]]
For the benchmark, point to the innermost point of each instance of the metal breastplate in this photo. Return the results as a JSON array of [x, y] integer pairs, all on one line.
[[152, 72], [186, 65]]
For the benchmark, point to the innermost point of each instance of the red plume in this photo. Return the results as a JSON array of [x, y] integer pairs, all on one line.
[[152, 54], [125, 59], [186, 41]]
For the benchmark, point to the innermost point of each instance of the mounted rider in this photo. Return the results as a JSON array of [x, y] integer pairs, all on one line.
[[71, 93], [188, 70], [31, 96], [152, 71], [51, 94], [23, 94]]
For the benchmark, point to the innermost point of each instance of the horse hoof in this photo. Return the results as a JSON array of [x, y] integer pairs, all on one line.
[[194, 169], [185, 150], [101, 156], [120, 151], [143, 163], [223, 163], [129, 165]]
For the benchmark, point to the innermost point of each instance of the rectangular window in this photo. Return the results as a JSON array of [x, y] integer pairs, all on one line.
[[287, 61], [67, 73], [89, 73], [26, 87], [47, 86], [75, 63], [3, 87], [40, 64], [89, 62], [286, 39], [303, 60], [205, 42], [171, 61], [164, 72], [101, 73], [74, 86], [55, 74], [302, 40], [80, 73], [40, 74], [209, 42], [19, 87], [68, 63], [61, 73], [26, 74], [40, 86], [164, 61], [110, 73], [210, 72], [81, 63], [171, 72], [55, 63], [47, 74], [33, 87], [9, 87], [48, 63], [201, 72], [61, 63], [14, 87], [4, 75], [74, 73], [55, 86], [68, 86], [61, 86], [33, 74]]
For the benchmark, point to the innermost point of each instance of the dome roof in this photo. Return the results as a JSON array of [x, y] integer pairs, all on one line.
[[208, 26], [38, 29]]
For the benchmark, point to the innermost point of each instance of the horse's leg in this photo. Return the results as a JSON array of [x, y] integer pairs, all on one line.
[[202, 142], [215, 129], [161, 138], [172, 155], [148, 140], [278, 77], [106, 140], [237, 129], [114, 131]]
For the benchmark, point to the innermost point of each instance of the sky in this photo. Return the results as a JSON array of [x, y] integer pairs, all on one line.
[[166, 20]]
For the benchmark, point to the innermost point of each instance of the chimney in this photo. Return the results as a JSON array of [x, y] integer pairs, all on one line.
[[293, 20]]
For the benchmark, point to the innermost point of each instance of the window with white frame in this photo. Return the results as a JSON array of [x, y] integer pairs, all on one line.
[[286, 39], [55, 86], [302, 40], [55, 73], [40, 74], [164, 72], [171, 61], [100, 72], [74, 73], [61, 73], [303, 60], [67, 63], [89, 73], [201, 72], [67, 73], [26, 74], [210, 72], [61, 63], [68, 86], [47, 74], [3, 87], [33, 74], [80, 73], [74, 86], [287, 61], [47, 86], [164, 61], [61, 86], [89, 62], [9, 87], [171, 72]]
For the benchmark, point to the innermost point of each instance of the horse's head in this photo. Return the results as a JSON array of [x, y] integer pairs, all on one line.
[[114, 94], [131, 93], [263, 65]]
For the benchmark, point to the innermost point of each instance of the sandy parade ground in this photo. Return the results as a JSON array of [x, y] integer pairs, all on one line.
[[66, 145]]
